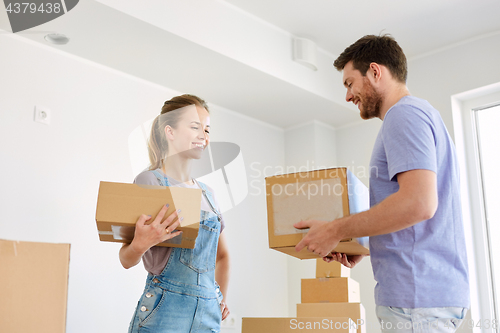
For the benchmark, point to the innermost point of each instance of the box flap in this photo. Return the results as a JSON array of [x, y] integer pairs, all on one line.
[[348, 247]]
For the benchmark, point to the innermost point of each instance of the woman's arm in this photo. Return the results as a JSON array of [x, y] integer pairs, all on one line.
[[222, 270], [148, 235]]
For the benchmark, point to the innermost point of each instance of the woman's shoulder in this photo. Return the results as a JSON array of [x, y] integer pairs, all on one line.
[[146, 177], [212, 193], [206, 187]]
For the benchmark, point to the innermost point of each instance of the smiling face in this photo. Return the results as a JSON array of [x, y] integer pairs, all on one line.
[[361, 92], [192, 133]]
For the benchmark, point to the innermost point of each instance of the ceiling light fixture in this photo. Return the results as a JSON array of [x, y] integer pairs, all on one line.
[[304, 52], [58, 39]]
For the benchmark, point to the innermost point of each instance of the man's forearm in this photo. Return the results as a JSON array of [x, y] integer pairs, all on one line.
[[415, 201], [395, 213]]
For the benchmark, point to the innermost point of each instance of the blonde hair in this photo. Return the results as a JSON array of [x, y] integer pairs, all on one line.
[[170, 115]]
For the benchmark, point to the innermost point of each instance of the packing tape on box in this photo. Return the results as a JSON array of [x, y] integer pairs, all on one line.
[[127, 234]]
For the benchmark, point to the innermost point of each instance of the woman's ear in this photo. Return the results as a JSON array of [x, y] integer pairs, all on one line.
[[169, 132], [207, 141]]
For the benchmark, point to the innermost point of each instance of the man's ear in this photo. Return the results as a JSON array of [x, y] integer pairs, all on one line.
[[375, 71]]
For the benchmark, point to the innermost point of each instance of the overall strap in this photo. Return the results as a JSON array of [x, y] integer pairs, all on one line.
[[161, 178], [205, 191]]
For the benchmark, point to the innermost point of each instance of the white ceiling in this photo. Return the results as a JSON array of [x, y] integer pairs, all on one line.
[[161, 42], [419, 26]]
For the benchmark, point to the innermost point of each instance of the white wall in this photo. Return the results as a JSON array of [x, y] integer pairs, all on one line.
[[463, 67], [51, 176], [354, 148], [258, 286], [308, 146]]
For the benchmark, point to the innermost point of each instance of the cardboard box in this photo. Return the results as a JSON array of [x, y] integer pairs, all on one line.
[[331, 270], [33, 287], [326, 195], [326, 290], [355, 311], [290, 325], [120, 205]]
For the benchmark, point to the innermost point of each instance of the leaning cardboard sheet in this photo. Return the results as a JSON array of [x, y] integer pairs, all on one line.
[[120, 205], [325, 195], [33, 286]]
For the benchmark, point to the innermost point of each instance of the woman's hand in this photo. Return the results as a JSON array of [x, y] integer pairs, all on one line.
[[224, 310], [148, 235]]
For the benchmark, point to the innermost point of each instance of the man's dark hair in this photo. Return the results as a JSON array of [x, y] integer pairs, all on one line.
[[383, 50]]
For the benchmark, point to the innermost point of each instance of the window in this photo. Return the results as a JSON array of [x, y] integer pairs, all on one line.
[[487, 124], [476, 120]]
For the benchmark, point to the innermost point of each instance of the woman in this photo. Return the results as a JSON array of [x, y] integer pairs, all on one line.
[[181, 293]]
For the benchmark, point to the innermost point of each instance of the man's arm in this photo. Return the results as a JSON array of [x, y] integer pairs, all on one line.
[[415, 201]]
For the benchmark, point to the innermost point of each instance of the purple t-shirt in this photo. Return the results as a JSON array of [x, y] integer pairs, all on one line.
[[424, 265], [155, 259]]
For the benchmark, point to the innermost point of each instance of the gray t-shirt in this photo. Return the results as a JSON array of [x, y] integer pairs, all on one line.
[[155, 259]]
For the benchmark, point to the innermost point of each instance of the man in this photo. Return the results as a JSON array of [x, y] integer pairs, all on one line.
[[417, 243]]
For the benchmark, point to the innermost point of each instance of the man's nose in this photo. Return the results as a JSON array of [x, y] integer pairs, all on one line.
[[348, 96]]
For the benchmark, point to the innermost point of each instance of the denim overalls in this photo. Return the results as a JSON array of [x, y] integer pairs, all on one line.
[[184, 297]]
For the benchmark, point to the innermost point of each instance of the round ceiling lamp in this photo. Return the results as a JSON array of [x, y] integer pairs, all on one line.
[[58, 39]]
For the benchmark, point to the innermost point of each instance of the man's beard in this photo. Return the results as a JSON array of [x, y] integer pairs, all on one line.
[[370, 101]]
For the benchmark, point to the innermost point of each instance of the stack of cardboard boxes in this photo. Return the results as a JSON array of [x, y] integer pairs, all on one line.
[[331, 302], [332, 293]]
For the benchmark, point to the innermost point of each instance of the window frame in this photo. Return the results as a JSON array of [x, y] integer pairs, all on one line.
[[464, 108]]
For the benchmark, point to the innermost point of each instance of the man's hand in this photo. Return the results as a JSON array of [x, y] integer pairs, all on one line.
[[348, 261], [320, 239]]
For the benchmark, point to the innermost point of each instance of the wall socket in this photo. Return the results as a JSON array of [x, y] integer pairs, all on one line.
[[42, 115]]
